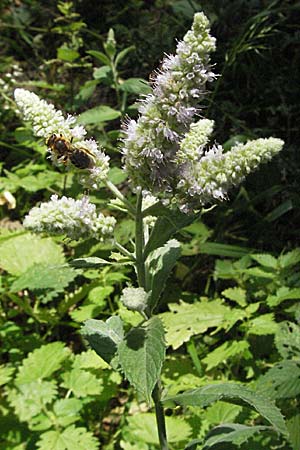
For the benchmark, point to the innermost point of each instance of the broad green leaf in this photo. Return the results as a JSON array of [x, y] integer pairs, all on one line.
[[159, 265], [102, 113], [260, 273], [42, 362], [142, 428], [100, 294], [89, 262], [85, 312], [185, 320], [236, 294], [263, 324], [30, 398], [70, 439], [6, 373], [287, 340], [167, 224], [135, 86], [221, 412], [121, 55], [102, 73], [281, 381], [116, 175], [67, 54], [282, 294], [236, 394], [234, 433], [41, 276], [266, 260], [89, 360], [293, 425], [104, 337], [228, 350], [289, 259], [82, 383], [141, 355], [100, 56], [19, 253], [66, 411]]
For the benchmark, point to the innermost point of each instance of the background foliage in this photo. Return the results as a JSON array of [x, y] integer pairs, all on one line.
[[231, 307]]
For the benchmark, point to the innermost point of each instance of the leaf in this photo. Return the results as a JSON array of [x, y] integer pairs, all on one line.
[[82, 383], [89, 262], [221, 412], [231, 251], [141, 428], [185, 320], [121, 55], [19, 253], [42, 362], [67, 54], [85, 312], [6, 373], [289, 259], [70, 439], [236, 294], [266, 260], [230, 349], [282, 294], [135, 86], [236, 394], [116, 175], [66, 411], [100, 56], [287, 340], [159, 265], [293, 425], [30, 398], [40, 276], [102, 113], [234, 433], [167, 224], [104, 337], [263, 324], [281, 381], [141, 355], [102, 73]]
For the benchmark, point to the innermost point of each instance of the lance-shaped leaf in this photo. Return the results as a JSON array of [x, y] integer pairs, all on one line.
[[233, 433], [233, 393], [88, 263], [104, 337], [159, 266], [141, 355]]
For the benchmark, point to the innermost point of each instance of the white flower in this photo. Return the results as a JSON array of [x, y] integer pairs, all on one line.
[[134, 299], [74, 218]]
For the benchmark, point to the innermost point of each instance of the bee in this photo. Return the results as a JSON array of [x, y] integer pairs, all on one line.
[[66, 151]]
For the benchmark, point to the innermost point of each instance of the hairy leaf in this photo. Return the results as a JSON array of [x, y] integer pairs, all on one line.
[[232, 393], [70, 439], [82, 383], [104, 337], [234, 433], [287, 340], [293, 426], [226, 351], [159, 265], [281, 381], [141, 355]]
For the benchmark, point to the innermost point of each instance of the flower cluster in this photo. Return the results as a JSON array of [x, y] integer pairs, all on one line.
[[47, 121], [152, 142], [134, 299], [74, 218], [166, 152]]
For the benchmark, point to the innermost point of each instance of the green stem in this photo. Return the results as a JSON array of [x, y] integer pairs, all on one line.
[[139, 242], [120, 196], [160, 417]]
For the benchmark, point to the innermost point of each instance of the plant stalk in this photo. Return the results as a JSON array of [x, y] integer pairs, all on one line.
[[160, 417], [139, 242]]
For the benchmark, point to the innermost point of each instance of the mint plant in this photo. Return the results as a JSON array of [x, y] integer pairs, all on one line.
[[174, 174]]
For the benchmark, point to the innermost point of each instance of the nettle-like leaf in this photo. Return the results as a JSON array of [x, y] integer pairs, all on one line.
[[281, 381], [186, 320], [142, 428], [6, 373], [160, 263], [41, 277], [29, 399], [70, 439], [42, 362], [263, 324], [67, 410], [104, 337], [232, 393], [293, 425], [82, 383], [266, 260], [236, 294], [234, 433], [228, 350], [95, 303], [289, 259], [221, 412], [282, 294], [287, 340], [18, 253], [141, 355]]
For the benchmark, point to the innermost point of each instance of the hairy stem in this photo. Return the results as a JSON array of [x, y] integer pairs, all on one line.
[[139, 242], [160, 417], [118, 194]]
